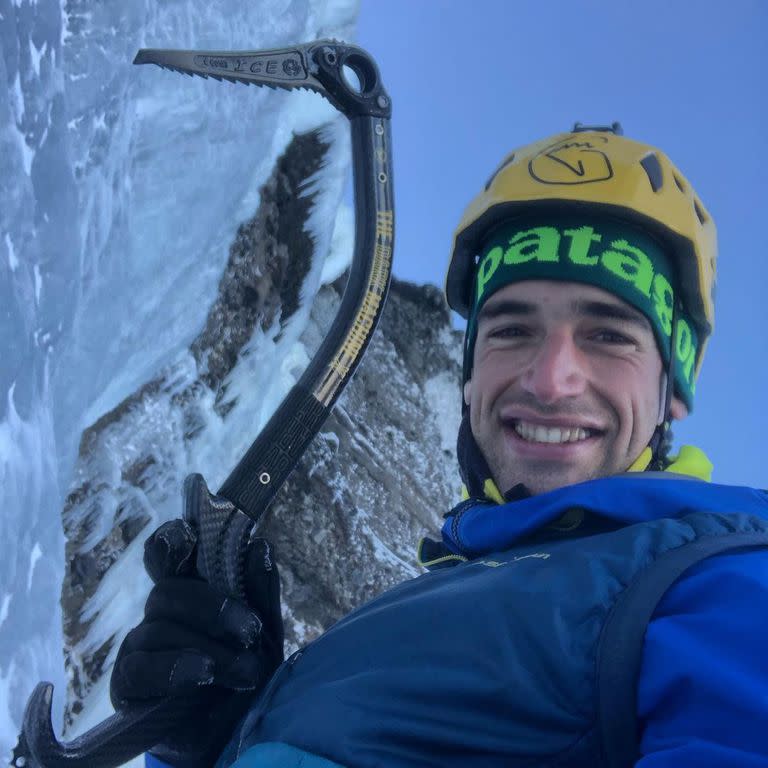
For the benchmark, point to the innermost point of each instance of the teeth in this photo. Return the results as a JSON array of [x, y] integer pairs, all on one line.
[[539, 434]]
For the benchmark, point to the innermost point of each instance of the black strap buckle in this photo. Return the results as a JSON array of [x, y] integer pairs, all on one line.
[[614, 128]]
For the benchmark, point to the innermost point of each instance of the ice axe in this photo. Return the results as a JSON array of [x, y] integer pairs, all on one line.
[[326, 67]]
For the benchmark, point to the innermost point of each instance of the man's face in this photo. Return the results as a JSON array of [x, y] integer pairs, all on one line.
[[566, 384]]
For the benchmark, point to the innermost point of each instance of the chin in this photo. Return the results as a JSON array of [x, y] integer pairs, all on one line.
[[535, 488], [538, 483]]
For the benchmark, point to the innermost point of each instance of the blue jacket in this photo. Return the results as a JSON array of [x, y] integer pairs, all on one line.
[[531, 648]]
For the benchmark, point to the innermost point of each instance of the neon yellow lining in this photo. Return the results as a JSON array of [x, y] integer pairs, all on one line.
[[640, 464], [691, 461], [437, 560], [491, 491]]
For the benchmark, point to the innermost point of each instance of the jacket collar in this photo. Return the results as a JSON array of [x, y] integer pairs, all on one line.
[[478, 528]]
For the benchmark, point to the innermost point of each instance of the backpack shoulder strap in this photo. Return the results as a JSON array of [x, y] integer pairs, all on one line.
[[620, 648]]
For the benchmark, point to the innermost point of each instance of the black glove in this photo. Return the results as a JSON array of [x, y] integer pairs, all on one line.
[[194, 640]]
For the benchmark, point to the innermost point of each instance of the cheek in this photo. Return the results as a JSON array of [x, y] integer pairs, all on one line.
[[627, 388], [637, 396], [489, 377]]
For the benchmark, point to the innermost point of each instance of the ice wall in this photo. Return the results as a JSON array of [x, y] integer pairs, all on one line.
[[120, 190]]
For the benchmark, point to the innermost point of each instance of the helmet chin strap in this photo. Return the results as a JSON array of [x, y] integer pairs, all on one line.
[[661, 439]]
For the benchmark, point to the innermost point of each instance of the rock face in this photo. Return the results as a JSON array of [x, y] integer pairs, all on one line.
[[345, 525], [380, 474]]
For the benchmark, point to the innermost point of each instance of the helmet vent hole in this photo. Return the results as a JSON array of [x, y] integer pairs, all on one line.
[[652, 168], [699, 211], [507, 161], [679, 182]]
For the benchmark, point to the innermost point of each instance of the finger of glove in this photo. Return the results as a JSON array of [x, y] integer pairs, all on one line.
[[170, 550], [164, 659], [263, 579], [247, 671], [163, 635], [143, 675], [263, 592], [195, 604]]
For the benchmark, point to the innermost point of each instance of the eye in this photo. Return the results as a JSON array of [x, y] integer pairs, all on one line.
[[507, 332], [612, 337]]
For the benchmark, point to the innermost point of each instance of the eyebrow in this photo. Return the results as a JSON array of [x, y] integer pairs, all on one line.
[[605, 309], [581, 307], [505, 307]]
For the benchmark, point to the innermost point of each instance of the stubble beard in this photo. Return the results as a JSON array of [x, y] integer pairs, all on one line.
[[538, 476]]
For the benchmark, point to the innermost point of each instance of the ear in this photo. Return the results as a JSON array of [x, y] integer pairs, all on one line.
[[467, 389], [678, 409]]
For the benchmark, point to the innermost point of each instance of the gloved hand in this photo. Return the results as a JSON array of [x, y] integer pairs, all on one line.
[[194, 640]]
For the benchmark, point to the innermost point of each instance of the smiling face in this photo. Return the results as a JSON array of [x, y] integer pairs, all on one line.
[[566, 384]]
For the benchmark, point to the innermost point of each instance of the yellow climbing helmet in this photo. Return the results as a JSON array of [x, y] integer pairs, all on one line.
[[597, 168]]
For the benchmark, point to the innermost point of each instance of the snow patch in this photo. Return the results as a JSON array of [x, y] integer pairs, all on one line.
[[36, 54], [333, 14], [13, 261], [444, 400], [123, 590], [34, 556], [386, 554], [30, 650], [38, 283], [4, 607], [17, 98], [331, 438], [8, 732], [30, 444], [65, 31], [327, 185], [342, 245], [331, 441], [27, 153], [448, 340]]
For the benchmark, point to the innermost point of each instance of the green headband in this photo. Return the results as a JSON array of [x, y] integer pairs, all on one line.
[[583, 248]]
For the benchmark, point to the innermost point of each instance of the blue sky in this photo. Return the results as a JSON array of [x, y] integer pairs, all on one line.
[[472, 80]]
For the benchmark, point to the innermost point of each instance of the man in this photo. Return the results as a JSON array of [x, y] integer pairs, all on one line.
[[593, 601]]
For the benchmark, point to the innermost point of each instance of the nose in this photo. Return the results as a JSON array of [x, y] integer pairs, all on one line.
[[557, 370]]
